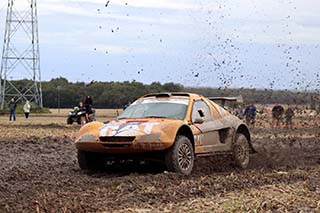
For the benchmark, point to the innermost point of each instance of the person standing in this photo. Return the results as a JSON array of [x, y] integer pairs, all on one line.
[[88, 104], [12, 109], [26, 109], [277, 115], [250, 114], [239, 112], [288, 115]]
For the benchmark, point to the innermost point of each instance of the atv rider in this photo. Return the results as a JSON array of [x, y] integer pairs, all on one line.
[[277, 114], [88, 106], [79, 108], [250, 114]]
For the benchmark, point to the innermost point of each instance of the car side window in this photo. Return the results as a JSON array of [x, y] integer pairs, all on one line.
[[201, 110]]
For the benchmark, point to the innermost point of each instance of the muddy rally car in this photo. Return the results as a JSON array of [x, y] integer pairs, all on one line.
[[172, 128]]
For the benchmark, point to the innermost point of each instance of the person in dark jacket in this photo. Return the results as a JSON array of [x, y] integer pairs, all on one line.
[[88, 104], [239, 112], [88, 100], [277, 115], [288, 115], [12, 109], [250, 114]]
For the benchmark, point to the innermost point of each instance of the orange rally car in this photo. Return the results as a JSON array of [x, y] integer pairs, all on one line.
[[169, 127]]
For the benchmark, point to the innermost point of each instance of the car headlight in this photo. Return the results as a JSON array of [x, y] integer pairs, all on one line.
[[88, 138]]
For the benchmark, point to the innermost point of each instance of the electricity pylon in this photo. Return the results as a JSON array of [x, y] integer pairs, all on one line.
[[21, 56]]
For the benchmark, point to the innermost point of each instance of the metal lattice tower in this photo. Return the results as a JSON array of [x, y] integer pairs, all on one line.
[[20, 56]]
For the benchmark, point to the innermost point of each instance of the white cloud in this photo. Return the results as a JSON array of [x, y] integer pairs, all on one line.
[[52, 7], [160, 4], [75, 41], [265, 21], [117, 49]]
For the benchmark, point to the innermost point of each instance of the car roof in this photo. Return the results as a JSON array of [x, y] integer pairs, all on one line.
[[173, 94]]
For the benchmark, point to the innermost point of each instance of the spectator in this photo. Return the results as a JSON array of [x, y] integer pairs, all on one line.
[[277, 115], [12, 109], [250, 114], [26, 109], [239, 112], [88, 104], [288, 117]]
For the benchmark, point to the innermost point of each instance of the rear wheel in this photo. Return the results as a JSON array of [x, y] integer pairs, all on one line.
[[92, 118], [90, 160], [180, 157], [241, 151]]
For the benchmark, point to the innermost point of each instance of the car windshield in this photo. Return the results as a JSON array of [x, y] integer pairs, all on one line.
[[156, 109]]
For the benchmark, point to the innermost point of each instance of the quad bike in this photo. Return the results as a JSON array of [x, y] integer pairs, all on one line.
[[79, 115]]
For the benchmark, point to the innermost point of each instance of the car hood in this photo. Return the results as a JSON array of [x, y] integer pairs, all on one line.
[[139, 127]]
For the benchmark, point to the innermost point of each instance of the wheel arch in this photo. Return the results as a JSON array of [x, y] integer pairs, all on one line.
[[186, 131], [243, 129]]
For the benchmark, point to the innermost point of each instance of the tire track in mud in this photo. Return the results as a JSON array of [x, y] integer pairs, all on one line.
[[42, 173]]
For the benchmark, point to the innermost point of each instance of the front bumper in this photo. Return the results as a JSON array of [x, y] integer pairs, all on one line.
[[122, 147]]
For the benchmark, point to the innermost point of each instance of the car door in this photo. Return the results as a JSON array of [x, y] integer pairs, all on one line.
[[201, 117], [211, 128]]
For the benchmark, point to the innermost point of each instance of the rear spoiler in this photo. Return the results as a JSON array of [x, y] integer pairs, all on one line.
[[223, 100]]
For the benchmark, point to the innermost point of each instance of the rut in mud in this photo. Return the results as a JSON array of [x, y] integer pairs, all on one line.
[[41, 173]]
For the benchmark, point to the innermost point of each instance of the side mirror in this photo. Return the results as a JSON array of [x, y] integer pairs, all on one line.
[[198, 121]]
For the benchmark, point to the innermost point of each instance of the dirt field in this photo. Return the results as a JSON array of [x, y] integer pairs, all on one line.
[[39, 173]]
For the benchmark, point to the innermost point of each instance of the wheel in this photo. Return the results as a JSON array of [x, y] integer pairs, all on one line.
[[78, 120], [81, 120], [180, 157], [92, 118], [90, 160], [241, 151], [69, 121]]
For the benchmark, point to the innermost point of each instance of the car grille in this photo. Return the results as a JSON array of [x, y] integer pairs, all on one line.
[[117, 138]]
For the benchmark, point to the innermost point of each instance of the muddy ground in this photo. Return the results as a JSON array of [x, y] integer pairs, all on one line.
[[39, 173]]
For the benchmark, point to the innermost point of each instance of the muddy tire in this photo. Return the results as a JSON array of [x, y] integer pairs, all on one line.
[[241, 151], [180, 157], [90, 160], [69, 121], [79, 120]]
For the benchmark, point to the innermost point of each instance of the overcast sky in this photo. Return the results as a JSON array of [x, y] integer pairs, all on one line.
[[222, 43]]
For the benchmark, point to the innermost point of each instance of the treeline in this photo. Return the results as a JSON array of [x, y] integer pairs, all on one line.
[[104, 94], [61, 92], [262, 96]]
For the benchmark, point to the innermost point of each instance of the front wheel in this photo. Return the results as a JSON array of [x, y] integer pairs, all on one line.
[[90, 160], [241, 151], [69, 120], [180, 157]]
